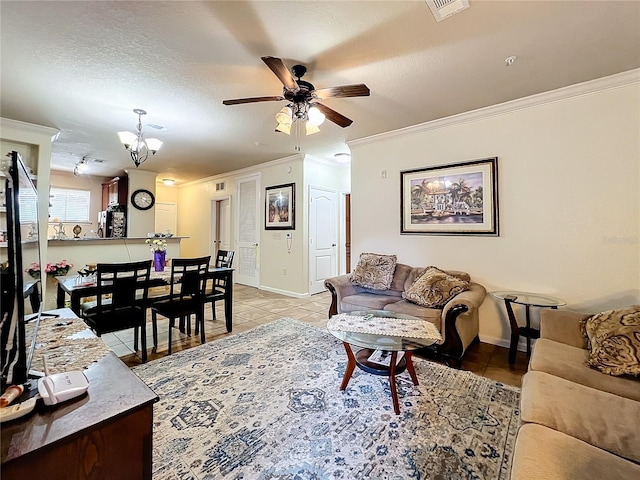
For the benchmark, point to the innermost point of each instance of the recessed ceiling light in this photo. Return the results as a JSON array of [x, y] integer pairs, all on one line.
[[168, 181], [342, 157]]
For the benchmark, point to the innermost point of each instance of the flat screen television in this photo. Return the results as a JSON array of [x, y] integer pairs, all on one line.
[[20, 311]]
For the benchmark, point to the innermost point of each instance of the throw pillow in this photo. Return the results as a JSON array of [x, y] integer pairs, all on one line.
[[374, 271], [614, 341], [434, 288]]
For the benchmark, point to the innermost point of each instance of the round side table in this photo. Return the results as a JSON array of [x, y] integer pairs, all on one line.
[[528, 300]]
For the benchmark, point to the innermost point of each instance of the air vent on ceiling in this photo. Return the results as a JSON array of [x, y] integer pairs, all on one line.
[[219, 186], [442, 9], [156, 126]]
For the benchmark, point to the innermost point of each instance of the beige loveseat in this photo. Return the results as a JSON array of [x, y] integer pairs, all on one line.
[[457, 321], [578, 423]]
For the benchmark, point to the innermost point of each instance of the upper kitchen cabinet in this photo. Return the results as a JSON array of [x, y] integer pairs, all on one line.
[[115, 192]]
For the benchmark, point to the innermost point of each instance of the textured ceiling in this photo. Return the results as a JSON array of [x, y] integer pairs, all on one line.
[[82, 67]]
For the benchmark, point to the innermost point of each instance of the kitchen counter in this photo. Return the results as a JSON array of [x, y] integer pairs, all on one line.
[[110, 239]]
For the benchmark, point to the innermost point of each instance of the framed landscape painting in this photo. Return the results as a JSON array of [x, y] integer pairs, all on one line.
[[456, 199], [280, 207]]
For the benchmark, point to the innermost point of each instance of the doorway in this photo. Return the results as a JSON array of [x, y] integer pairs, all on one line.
[[323, 238], [166, 218], [220, 226]]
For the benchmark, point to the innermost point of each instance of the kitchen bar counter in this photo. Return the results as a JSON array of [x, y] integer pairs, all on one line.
[[109, 239], [87, 251]]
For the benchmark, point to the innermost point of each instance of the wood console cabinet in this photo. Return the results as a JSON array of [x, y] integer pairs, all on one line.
[[115, 192], [105, 434]]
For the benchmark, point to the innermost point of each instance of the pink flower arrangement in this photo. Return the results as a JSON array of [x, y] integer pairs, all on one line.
[[33, 270], [58, 269]]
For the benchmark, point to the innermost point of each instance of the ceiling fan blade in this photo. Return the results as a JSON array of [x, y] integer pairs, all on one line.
[[238, 101], [278, 67], [359, 90], [334, 116]]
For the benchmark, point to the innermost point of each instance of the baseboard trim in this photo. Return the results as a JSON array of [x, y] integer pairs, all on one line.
[[284, 292], [501, 342]]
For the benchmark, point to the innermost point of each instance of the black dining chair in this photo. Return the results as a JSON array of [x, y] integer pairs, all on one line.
[[216, 287], [120, 301], [186, 297]]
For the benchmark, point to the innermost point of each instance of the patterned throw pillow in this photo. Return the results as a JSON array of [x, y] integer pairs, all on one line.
[[614, 340], [374, 271], [434, 288]]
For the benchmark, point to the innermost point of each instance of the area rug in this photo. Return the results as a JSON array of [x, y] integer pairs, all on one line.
[[266, 404]]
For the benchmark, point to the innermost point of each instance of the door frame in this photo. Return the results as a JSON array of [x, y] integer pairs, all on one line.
[[213, 249]]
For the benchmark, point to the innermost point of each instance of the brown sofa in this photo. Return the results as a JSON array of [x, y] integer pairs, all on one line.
[[457, 321], [578, 423]]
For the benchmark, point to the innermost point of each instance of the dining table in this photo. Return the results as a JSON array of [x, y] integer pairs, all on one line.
[[77, 288]]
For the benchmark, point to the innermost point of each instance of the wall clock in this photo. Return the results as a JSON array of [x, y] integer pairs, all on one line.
[[142, 199]]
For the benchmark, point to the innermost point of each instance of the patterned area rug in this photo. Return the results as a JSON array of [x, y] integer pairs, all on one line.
[[266, 404]]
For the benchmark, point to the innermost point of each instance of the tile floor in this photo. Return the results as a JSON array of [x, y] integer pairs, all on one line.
[[253, 307]]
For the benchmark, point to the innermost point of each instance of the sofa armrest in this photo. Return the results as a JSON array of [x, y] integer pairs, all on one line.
[[340, 287], [460, 320], [563, 326], [472, 298]]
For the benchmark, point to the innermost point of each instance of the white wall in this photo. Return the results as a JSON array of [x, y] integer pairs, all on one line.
[[140, 222], [194, 221], [569, 207]]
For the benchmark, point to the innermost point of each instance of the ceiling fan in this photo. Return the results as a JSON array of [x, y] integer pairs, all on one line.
[[303, 95]]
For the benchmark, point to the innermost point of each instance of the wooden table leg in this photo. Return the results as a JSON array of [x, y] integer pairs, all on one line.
[[393, 384], [351, 365], [410, 369], [228, 302], [60, 297], [515, 331]]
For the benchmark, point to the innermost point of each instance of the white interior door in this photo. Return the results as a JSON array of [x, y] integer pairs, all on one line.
[[166, 218], [247, 241], [220, 226], [322, 238]]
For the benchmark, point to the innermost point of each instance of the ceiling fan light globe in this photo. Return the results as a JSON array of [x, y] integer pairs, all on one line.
[[311, 128], [316, 117], [284, 116], [284, 128]]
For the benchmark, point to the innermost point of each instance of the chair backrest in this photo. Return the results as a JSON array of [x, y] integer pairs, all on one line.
[[122, 284], [224, 258], [188, 277]]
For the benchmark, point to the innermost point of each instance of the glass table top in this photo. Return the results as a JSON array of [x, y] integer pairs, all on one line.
[[524, 298], [390, 343]]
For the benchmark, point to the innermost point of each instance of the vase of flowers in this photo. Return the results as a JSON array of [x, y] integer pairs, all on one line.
[[159, 248], [33, 270], [58, 269]]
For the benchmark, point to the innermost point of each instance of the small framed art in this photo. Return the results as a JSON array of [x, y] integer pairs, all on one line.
[[280, 211], [456, 199]]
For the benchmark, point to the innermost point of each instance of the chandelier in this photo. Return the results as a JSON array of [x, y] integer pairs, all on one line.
[[295, 115], [136, 144]]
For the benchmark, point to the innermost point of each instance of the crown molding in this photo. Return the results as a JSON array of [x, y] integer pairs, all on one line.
[[7, 123], [247, 170], [585, 88]]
